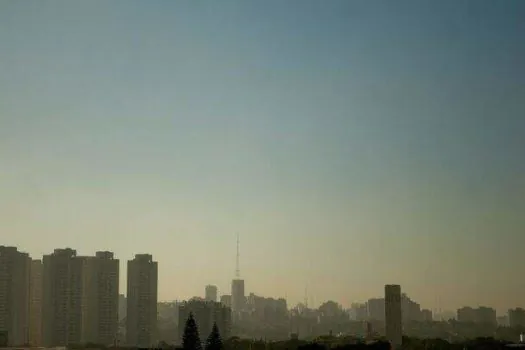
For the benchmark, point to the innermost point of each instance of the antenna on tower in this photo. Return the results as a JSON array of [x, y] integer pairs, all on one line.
[[306, 296], [237, 270]]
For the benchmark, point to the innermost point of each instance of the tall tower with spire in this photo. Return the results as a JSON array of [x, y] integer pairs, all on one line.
[[238, 297], [237, 269]]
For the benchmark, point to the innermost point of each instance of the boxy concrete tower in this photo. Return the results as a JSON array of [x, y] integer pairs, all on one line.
[[393, 320]]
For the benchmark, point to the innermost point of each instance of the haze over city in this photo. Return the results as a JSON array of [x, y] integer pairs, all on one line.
[[350, 144]]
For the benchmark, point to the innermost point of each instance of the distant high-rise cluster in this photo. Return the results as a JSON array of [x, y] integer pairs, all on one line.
[[79, 298], [205, 313], [67, 299], [480, 315]]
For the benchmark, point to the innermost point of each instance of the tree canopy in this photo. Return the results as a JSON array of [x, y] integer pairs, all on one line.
[[191, 339], [214, 341]]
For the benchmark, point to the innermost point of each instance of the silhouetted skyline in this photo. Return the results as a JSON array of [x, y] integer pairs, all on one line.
[[351, 144]]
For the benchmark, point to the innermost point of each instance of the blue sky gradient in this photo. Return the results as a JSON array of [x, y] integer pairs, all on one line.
[[350, 143]]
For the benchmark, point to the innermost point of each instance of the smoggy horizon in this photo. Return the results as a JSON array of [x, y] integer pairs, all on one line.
[[350, 144]]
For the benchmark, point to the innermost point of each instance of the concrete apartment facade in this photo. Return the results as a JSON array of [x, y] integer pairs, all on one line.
[[393, 317], [79, 298], [100, 299], [141, 318], [15, 270], [61, 298], [376, 309], [35, 304]]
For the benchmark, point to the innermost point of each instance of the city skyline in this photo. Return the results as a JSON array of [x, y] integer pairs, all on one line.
[[202, 294], [351, 144]]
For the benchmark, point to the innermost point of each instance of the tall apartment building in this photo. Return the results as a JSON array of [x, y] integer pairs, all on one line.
[[61, 298], [210, 293], [359, 311], [35, 303], [466, 314], [393, 320], [100, 299], [486, 315], [79, 298], [376, 309], [517, 317], [141, 320], [15, 270]]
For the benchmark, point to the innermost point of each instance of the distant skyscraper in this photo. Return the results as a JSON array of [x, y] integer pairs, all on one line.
[[211, 293], [226, 300], [238, 296], [393, 320], [141, 319], [376, 309], [15, 270], [359, 311], [35, 304], [517, 317]]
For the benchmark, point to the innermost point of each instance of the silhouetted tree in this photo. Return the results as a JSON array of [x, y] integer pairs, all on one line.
[[191, 339], [214, 341]]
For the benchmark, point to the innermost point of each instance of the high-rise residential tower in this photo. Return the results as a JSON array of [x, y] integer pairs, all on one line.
[[79, 298], [100, 309], [376, 309], [393, 319], [15, 270], [61, 298], [141, 319], [35, 304]]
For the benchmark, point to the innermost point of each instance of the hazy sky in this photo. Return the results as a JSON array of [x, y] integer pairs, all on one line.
[[349, 143]]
